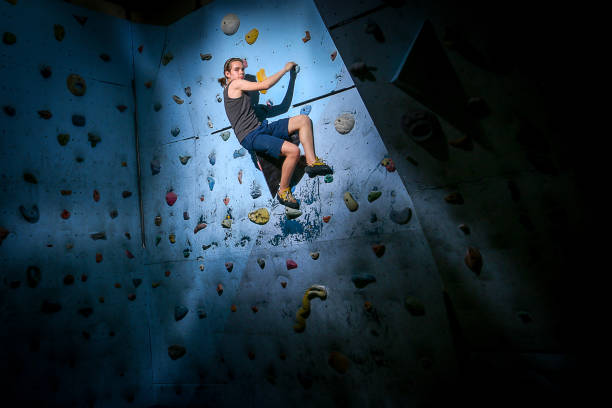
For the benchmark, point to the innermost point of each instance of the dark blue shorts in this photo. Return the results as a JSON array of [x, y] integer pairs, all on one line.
[[268, 138]]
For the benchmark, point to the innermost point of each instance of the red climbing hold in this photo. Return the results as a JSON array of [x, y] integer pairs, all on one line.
[[121, 108], [126, 193], [219, 289], [167, 273], [83, 278], [327, 218], [140, 49], [254, 309], [379, 250], [333, 55], [96, 195], [66, 192], [129, 254], [98, 257], [65, 214], [171, 198], [291, 264]]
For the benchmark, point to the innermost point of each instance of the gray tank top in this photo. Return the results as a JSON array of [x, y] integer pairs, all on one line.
[[240, 114]]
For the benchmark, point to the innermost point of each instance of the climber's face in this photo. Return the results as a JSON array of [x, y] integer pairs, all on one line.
[[236, 71]]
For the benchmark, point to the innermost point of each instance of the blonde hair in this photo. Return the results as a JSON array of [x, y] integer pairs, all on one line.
[[226, 67]]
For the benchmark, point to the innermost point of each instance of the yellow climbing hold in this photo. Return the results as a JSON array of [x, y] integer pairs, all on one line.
[[350, 202], [261, 76], [260, 216], [319, 291], [251, 36]]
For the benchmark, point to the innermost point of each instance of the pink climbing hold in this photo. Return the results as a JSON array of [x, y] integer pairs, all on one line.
[[226, 200], [291, 264], [171, 198]]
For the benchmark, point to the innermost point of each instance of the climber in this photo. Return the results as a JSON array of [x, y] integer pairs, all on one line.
[[269, 138]]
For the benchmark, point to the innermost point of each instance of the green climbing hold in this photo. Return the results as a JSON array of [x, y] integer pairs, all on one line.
[[260, 216], [63, 138], [329, 178], [374, 195]]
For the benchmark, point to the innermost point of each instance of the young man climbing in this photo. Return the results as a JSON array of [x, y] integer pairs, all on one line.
[[269, 138]]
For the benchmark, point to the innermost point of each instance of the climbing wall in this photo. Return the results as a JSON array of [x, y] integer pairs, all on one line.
[[344, 293]]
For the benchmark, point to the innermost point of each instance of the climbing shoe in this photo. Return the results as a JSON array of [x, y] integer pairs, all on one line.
[[318, 168], [287, 199]]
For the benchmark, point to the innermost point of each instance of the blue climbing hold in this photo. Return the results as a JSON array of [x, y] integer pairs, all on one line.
[[239, 153], [174, 132], [305, 110], [211, 158], [211, 183]]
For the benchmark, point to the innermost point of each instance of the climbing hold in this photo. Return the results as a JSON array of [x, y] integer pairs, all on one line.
[[85, 311], [420, 125], [229, 266], [148, 84], [31, 215], [166, 58], [261, 262], [292, 213], [136, 282], [291, 264], [314, 255], [132, 296], [63, 139], [45, 114], [414, 306], [188, 91], [306, 37], [239, 153], [240, 176], [114, 213], [338, 362], [29, 177], [59, 32], [9, 38], [50, 306], [205, 57], [211, 182], [80, 19], [157, 106], [155, 284], [175, 351], [219, 289], [96, 195], [260, 216], [464, 228], [129, 254], [121, 108], [76, 85], [212, 158], [127, 235], [83, 278], [305, 110], [226, 223], [333, 55], [473, 260], [199, 227], [174, 132], [344, 123], [3, 234], [180, 311], [33, 276], [225, 135], [304, 310], [226, 200], [78, 120], [372, 28], [140, 47], [350, 202], [367, 306], [230, 23], [329, 178], [233, 308], [184, 159], [126, 194], [379, 250], [66, 192], [185, 215], [363, 279], [401, 217], [68, 279], [478, 107], [462, 142], [362, 71], [172, 238], [326, 218], [283, 284], [261, 76], [98, 257], [167, 273], [454, 198], [93, 139], [155, 167], [177, 99], [251, 36], [388, 163], [201, 313], [255, 310], [105, 57], [171, 198], [158, 220], [9, 110], [65, 214], [373, 195], [255, 190], [98, 235]]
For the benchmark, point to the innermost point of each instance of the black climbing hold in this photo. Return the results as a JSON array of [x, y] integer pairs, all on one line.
[[105, 57], [31, 215], [78, 120], [157, 106], [86, 311], [9, 38], [81, 19], [175, 351], [33, 276], [93, 139], [63, 139], [374, 29], [98, 235], [401, 217], [179, 312], [45, 71], [29, 177], [9, 110], [50, 306]]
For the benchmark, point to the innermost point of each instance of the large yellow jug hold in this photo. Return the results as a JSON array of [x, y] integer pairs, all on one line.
[[251, 36], [261, 76]]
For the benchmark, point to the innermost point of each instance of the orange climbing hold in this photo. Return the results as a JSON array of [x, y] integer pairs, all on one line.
[[307, 37], [117, 285], [326, 218], [233, 308]]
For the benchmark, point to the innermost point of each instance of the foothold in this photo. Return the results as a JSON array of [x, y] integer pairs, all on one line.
[[292, 213], [9, 110], [338, 362], [93, 139], [59, 32], [319, 291], [33, 276], [114, 213], [374, 29], [361, 280], [129, 254], [210, 124], [350, 202], [205, 57], [29, 177], [226, 223], [255, 190], [65, 192], [98, 235], [132, 296], [326, 218], [212, 158], [283, 284], [240, 176], [171, 198], [464, 228], [31, 215], [201, 313], [229, 266], [379, 250], [140, 47], [63, 139], [219, 289], [180, 311], [65, 214], [9, 38], [306, 38], [373, 195], [175, 351], [155, 167], [158, 220], [414, 306], [121, 108], [78, 120], [68, 279], [45, 114], [314, 255], [239, 153], [83, 278], [80, 19], [202, 197], [188, 91], [211, 183], [184, 159], [226, 200], [126, 194], [172, 238], [230, 23], [199, 227], [261, 76], [261, 262], [333, 55], [344, 123], [202, 265], [76, 85], [401, 217], [225, 135], [166, 58], [260, 216], [136, 282], [329, 178], [305, 110], [251, 36], [454, 198], [155, 284], [291, 264], [473, 259], [175, 131]]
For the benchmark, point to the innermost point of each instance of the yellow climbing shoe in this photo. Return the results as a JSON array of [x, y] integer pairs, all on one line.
[[286, 198], [318, 168]]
